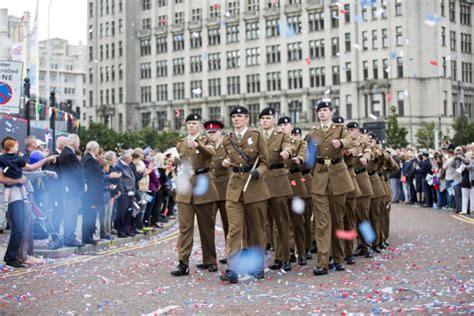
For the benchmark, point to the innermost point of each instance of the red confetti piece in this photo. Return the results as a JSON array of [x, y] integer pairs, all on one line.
[[178, 113], [389, 98], [434, 62], [293, 183], [216, 6], [308, 61], [342, 11], [303, 180], [346, 235]]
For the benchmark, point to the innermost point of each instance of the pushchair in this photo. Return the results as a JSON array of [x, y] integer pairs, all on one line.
[[43, 229]]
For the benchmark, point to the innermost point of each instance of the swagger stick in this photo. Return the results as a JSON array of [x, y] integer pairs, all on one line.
[[250, 174]]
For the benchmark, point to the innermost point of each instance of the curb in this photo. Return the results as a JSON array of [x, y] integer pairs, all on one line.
[[101, 246]]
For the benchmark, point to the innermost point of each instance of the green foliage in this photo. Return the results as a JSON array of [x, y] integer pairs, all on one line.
[[464, 130], [425, 136], [395, 135], [111, 140]]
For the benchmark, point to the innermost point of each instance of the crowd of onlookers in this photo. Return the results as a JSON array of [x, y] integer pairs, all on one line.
[[44, 192], [442, 178]]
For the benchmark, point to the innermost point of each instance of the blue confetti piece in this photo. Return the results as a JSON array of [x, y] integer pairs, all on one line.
[[248, 261], [357, 18], [393, 55], [202, 185], [432, 20], [312, 153], [368, 3], [367, 232], [286, 29]]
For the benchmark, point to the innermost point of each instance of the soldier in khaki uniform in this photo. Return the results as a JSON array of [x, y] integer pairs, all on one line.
[[220, 174], [390, 165], [300, 152], [331, 183], [195, 153], [280, 150], [306, 168], [364, 183], [247, 156]]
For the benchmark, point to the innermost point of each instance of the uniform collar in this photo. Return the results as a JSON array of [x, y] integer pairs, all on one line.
[[242, 133]]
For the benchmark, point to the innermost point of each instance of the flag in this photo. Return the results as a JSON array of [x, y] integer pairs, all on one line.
[[33, 60]]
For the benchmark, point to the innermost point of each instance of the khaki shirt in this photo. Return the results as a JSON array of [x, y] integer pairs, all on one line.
[[277, 179], [300, 151], [220, 174]]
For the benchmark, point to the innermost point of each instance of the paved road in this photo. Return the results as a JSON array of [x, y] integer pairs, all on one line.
[[428, 268]]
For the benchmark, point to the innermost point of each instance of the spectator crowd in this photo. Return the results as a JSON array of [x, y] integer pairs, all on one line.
[[118, 194]]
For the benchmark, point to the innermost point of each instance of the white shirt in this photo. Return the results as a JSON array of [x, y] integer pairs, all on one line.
[[241, 133]]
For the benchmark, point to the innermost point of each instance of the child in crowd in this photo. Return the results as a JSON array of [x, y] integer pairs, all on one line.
[[12, 165]]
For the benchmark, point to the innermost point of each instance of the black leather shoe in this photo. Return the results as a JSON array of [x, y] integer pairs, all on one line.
[[358, 252], [308, 255], [182, 270], [229, 276], [386, 243], [382, 246], [202, 266], [368, 254], [302, 261], [377, 249], [292, 256], [314, 249], [286, 266], [268, 247], [320, 271], [339, 267], [223, 261], [350, 260], [122, 235], [275, 266], [259, 275], [15, 264], [212, 268], [331, 263], [90, 242]]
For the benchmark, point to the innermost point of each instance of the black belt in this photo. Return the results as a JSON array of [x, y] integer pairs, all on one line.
[[277, 166], [371, 173], [327, 161], [306, 171], [360, 170], [201, 171], [295, 170], [242, 169]]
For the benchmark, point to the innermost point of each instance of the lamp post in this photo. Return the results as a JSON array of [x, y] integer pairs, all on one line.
[[26, 94], [52, 120]]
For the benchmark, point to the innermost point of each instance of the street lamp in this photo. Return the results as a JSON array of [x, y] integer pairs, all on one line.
[[52, 120], [26, 95]]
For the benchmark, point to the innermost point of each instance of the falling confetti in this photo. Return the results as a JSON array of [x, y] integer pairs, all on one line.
[[248, 261], [433, 62], [312, 153], [346, 235], [297, 205], [202, 185], [432, 20], [367, 232]]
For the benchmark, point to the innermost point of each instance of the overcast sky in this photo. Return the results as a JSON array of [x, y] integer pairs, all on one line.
[[68, 18]]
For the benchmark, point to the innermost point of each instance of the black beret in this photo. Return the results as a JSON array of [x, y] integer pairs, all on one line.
[[267, 111], [363, 130], [324, 103], [337, 119], [352, 125], [372, 136], [451, 147], [213, 125], [284, 119], [296, 131], [239, 110], [193, 117]]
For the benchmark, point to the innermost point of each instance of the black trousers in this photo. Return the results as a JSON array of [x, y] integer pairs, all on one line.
[[157, 209], [89, 217], [17, 221], [58, 213], [123, 220]]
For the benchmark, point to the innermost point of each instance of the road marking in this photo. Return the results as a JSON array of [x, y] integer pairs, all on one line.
[[462, 218], [86, 258]]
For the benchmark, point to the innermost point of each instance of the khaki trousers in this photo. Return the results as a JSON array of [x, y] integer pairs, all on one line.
[[279, 211], [308, 217], [362, 215], [297, 224], [350, 224], [222, 210], [375, 219]]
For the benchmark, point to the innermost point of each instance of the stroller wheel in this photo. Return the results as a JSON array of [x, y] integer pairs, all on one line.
[[52, 245]]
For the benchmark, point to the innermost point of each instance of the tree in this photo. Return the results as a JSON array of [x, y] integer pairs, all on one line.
[[464, 131], [425, 136], [99, 132], [395, 135]]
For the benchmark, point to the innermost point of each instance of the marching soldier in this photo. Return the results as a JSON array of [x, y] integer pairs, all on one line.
[[279, 150], [247, 193], [331, 183], [220, 174], [196, 153], [300, 152]]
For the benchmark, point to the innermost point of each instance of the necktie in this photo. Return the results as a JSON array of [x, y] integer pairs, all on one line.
[[239, 137], [267, 135], [325, 128]]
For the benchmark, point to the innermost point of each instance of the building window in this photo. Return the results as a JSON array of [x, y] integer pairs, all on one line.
[[178, 42], [253, 5], [214, 61], [336, 80], [253, 83], [178, 91], [214, 86], [145, 47], [444, 67], [120, 95], [274, 81], [454, 70], [398, 7], [232, 33], [384, 38], [400, 104], [91, 53], [295, 51], [347, 41], [145, 93], [349, 106], [365, 70], [465, 13], [272, 27], [233, 7], [91, 9], [334, 18], [348, 69], [374, 39], [466, 75], [145, 71], [233, 85], [161, 45], [112, 50], [196, 64], [386, 69], [214, 37], [400, 67], [161, 120], [196, 39], [398, 35], [162, 3], [273, 54], [196, 14], [163, 20], [317, 77], [452, 11], [120, 26], [316, 49], [251, 30], [443, 36], [215, 11], [196, 89], [254, 111], [275, 105], [120, 71], [178, 66], [295, 79], [347, 13], [294, 23], [441, 4], [453, 40], [316, 21], [365, 41], [215, 112], [445, 103], [233, 59], [295, 107], [375, 69], [253, 56], [466, 43], [162, 92], [335, 46], [146, 25], [146, 119]]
